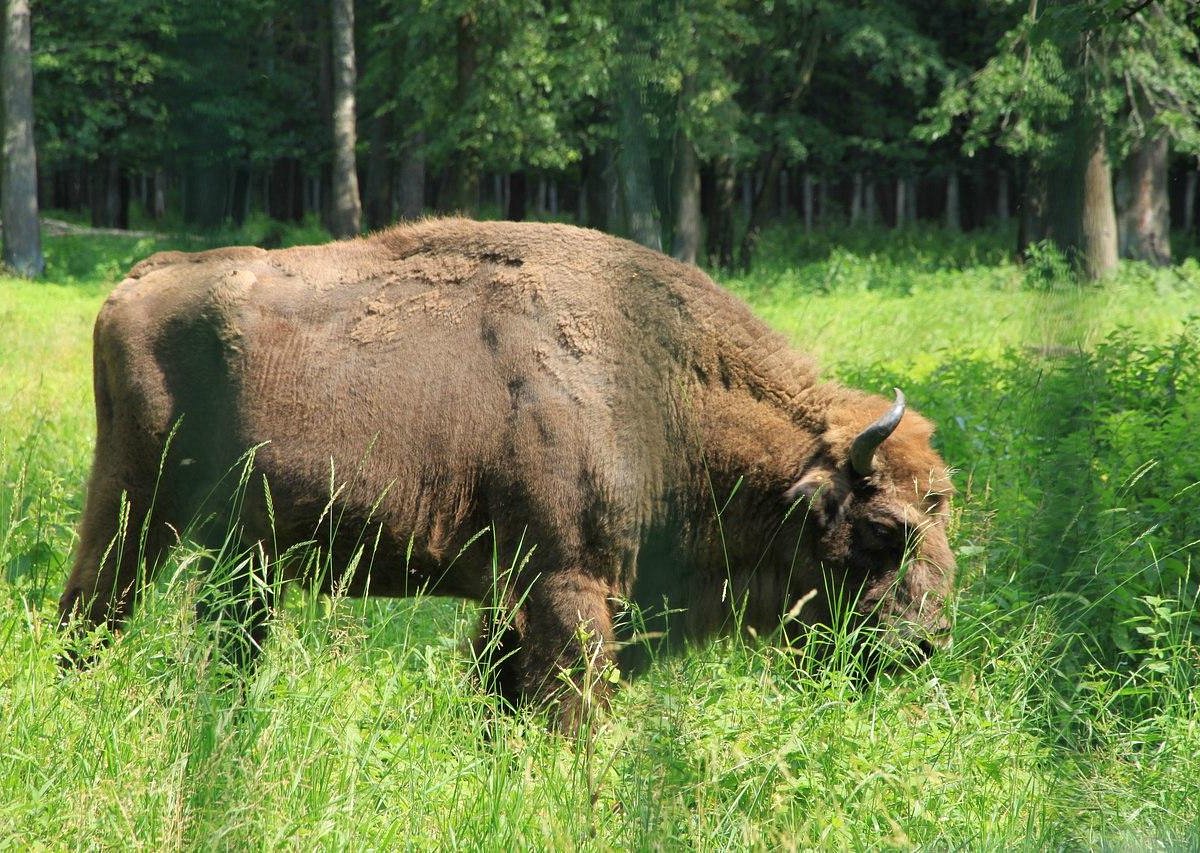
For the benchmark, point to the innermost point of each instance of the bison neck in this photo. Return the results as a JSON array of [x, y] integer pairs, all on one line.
[[731, 555]]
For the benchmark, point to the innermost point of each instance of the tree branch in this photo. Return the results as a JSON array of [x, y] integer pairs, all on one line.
[[1139, 7]]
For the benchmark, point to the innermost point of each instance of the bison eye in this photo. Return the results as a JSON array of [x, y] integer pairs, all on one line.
[[883, 530], [883, 535]]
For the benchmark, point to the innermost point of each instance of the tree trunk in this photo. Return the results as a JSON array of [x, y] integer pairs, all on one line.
[[378, 191], [516, 196], [1031, 212], [1144, 216], [871, 203], [762, 206], [204, 196], [346, 212], [19, 202], [809, 201], [539, 197], [239, 195], [160, 195], [910, 200], [633, 167], [687, 201], [463, 187], [286, 190], [720, 228], [313, 193], [594, 194], [109, 195], [901, 202], [1098, 220], [953, 209], [45, 177], [1189, 199], [412, 178], [856, 199], [1002, 196], [614, 215]]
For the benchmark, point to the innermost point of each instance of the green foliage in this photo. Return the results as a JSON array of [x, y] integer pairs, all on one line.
[[259, 230], [97, 262], [96, 67], [1046, 266], [246, 84], [529, 70], [883, 63], [1136, 75]]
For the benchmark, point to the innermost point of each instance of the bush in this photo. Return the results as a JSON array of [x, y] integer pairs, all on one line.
[[1046, 267]]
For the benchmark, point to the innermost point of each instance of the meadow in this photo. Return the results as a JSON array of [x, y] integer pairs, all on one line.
[[1065, 715]]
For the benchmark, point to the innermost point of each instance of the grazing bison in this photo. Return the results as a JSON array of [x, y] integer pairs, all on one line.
[[626, 430]]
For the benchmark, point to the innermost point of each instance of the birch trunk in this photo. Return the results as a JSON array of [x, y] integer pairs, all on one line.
[[346, 213]]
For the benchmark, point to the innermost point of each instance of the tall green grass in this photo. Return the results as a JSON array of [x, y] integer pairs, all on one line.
[[1064, 715]]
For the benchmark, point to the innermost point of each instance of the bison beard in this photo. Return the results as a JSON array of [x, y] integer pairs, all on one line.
[[587, 401]]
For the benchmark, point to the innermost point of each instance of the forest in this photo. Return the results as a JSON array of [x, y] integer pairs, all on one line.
[[685, 126], [992, 205]]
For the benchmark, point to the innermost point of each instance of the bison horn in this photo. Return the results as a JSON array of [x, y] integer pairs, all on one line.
[[862, 451]]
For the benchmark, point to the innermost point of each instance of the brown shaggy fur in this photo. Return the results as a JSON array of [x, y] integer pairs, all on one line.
[[581, 396]]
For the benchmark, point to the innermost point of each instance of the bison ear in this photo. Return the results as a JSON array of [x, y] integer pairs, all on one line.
[[811, 494]]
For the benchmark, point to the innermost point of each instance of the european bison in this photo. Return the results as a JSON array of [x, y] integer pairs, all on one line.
[[626, 430]]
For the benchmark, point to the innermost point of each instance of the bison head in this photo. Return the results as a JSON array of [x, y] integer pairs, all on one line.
[[875, 506]]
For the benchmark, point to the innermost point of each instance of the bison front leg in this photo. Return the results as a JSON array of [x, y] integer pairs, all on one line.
[[497, 648], [554, 649], [120, 546]]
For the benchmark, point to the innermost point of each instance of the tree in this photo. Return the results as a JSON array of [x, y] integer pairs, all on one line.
[[1144, 222], [22, 235], [831, 88], [1068, 86], [706, 42], [633, 156], [508, 94], [688, 226], [1157, 58], [346, 219], [101, 112], [792, 34]]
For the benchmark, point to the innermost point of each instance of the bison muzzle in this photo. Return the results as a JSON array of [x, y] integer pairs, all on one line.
[[630, 436]]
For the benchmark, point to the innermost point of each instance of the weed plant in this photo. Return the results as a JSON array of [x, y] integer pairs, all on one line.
[[1065, 715]]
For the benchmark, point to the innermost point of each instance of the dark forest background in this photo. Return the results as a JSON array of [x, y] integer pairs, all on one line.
[[685, 126]]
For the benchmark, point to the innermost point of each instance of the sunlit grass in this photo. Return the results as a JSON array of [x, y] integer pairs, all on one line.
[[359, 728]]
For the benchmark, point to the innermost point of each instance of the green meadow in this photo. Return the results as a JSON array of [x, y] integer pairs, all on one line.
[[1065, 714]]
